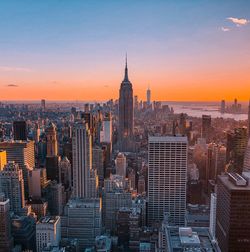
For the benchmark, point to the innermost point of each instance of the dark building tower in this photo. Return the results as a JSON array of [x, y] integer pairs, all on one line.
[[20, 130], [126, 114], [249, 119], [232, 212], [206, 126]]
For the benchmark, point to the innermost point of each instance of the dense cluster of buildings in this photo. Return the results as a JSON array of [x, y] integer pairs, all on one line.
[[124, 175]]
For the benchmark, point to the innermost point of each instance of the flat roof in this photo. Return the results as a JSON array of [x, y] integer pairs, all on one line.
[[170, 139]]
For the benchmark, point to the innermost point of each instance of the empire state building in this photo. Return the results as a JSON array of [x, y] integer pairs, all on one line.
[[126, 115]]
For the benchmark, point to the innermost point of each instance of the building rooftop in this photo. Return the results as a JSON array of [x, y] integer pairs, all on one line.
[[189, 239], [48, 220], [182, 139], [235, 182]]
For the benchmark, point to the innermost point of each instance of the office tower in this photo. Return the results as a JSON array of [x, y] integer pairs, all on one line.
[[55, 198], [121, 164], [65, 176], [126, 114], [223, 106], [23, 229], [37, 182], [212, 219], [11, 184], [167, 178], [141, 184], [84, 177], [6, 240], [48, 231], [246, 164], [52, 167], [20, 130], [3, 159], [38, 206], [115, 196], [43, 105], [232, 213], [131, 178], [249, 119], [51, 140], [107, 129], [22, 153], [216, 160], [148, 96], [206, 126], [98, 162], [82, 220], [136, 102], [236, 148]]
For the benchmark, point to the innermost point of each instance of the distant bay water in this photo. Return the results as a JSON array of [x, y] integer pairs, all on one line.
[[197, 109]]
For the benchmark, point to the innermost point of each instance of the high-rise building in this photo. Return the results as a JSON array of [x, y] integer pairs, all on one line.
[[148, 96], [51, 140], [6, 240], [167, 178], [246, 164], [48, 231], [3, 159], [236, 148], [11, 184], [85, 180], [212, 219], [126, 114], [98, 162], [20, 130], [22, 153], [232, 212], [82, 220], [107, 129], [65, 174], [249, 119], [223, 106], [121, 164], [43, 105], [206, 126]]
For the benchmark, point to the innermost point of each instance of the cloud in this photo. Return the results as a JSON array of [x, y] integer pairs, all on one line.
[[238, 21], [225, 29], [12, 85], [14, 69]]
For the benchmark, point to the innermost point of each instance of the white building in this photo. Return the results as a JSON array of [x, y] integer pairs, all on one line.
[[48, 231], [106, 133], [85, 181], [212, 222], [167, 178]]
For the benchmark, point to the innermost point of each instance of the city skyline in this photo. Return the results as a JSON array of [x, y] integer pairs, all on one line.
[[79, 48]]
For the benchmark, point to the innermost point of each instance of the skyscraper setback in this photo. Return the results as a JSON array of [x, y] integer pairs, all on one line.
[[126, 114]]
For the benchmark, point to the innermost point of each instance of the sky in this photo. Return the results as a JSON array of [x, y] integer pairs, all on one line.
[[75, 50]]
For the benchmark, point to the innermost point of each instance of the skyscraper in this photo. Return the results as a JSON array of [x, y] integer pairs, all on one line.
[[232, 212], [51, 140], [84, 179], [167, 178], [20, 130], [5, 230], [11, 184], [206, 126], [23, 153], [121, 164], [126, 114], [148, 96]]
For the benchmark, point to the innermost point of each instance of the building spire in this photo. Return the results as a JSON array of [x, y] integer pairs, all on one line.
[[126, 69]]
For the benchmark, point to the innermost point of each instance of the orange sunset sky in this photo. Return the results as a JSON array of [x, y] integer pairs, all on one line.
[[184, 51]]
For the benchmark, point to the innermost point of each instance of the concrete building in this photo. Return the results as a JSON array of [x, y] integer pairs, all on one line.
[[48, 231], [51, 140], [85, 179], [6, 240], [246, 164], [232, 212], [212, 221], [23, 153], [121, 165], [82, 220], [167, 178], [20, 130], [12, 185], [65, 174]]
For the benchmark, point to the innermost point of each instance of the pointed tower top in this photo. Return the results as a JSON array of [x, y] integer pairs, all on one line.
[[126, 70]]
